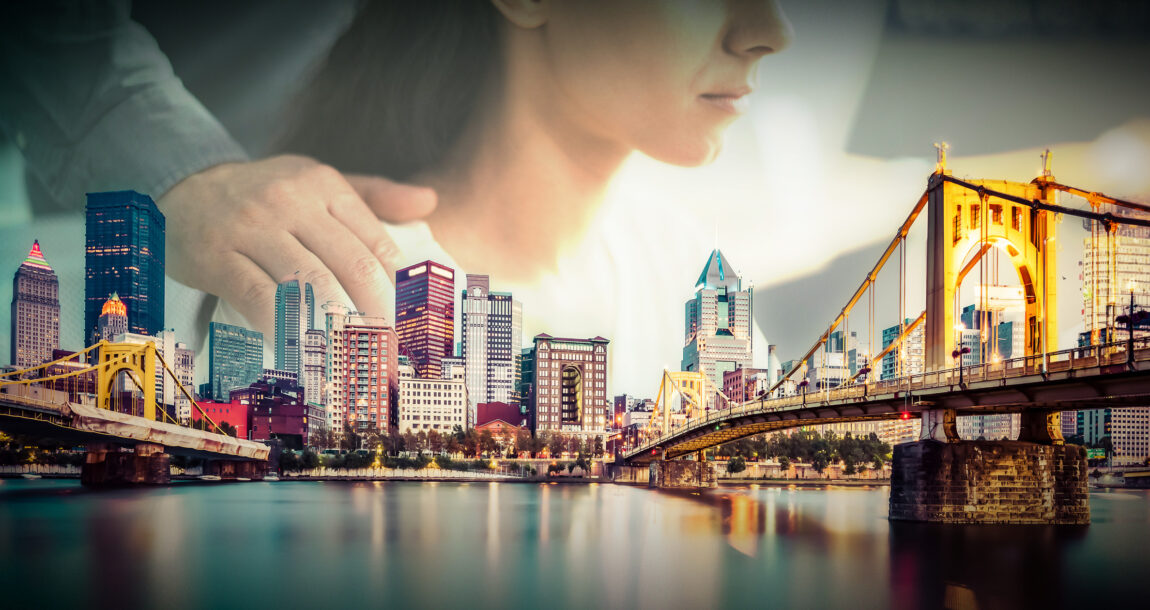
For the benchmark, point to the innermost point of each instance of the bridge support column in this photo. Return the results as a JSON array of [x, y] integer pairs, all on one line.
[[1044, 427], [681, 474], [106, 466], [989, 482], [939, 425], [236, 469]]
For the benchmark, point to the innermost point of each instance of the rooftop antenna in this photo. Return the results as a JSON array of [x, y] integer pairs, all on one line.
[[1047, 157]]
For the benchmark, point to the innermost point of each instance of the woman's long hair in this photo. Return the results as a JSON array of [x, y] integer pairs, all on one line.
[[398, 87]]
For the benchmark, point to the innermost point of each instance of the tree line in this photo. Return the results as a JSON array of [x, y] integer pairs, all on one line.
[[811, 447], [470, 443]]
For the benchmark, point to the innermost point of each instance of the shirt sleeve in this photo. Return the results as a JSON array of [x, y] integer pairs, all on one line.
[[93, 104]]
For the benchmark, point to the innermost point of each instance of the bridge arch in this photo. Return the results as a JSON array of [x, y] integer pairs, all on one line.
[[120, 358], [964, 221]]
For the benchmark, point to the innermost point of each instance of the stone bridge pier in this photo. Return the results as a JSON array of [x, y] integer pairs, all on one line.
[[1036, 480], [106, 466], [236, 469], [681, 474]]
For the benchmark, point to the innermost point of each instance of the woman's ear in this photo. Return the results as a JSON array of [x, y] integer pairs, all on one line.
[[527, 14]]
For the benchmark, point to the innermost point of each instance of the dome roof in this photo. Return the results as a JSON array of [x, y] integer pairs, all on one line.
[[114, 306]]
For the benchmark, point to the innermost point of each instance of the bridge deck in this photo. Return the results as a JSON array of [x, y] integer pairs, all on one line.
[[1082, 378], [83, 423]]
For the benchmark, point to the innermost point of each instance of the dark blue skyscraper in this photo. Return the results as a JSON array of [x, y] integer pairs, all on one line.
[[124, 254], [295, 315]]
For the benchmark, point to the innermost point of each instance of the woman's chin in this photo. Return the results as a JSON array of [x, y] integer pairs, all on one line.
[[690, 154]]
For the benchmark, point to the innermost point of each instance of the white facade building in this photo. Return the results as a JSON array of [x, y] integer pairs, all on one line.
[[492, 344], [432, 404]]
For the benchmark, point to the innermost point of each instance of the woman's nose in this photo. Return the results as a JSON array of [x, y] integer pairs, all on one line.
[[756, 28]]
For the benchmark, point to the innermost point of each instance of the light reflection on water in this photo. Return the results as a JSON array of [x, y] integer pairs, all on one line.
[[295, 544]]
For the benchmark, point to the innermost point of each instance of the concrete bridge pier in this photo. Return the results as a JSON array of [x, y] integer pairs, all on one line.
[[681, 474], [236, 469], [106, 466], [1012, 482]]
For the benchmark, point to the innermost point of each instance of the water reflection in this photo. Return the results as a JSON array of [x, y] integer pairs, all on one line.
[[519, 545], [987, 566]]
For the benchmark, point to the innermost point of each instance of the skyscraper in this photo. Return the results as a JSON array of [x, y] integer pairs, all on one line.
[[718, 322], [113, 319], [124, 237], [912, 352], [425, 315], [35, 311], [295, 315], [1106, 294], [235, 358], [570, 393], [314, 366], [492, 329], [363, 371]]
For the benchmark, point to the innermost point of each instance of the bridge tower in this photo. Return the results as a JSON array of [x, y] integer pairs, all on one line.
[[138, 360], [966, 223]]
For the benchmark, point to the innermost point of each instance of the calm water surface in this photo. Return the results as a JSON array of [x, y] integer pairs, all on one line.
[[322, 545]]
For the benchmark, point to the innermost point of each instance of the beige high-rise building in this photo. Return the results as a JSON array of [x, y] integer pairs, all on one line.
[[362, 371], [717, 322], [35, 311]]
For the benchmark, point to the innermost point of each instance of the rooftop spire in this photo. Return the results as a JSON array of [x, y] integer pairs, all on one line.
[[718, 273], [35, 258]]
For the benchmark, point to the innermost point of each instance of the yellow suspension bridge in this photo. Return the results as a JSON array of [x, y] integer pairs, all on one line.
[[105, 398]]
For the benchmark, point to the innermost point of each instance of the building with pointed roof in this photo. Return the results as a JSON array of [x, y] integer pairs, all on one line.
[[718, 322], [35, 311], [113, 319]]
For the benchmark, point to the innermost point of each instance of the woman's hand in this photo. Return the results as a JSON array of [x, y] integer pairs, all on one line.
[[238, 229]]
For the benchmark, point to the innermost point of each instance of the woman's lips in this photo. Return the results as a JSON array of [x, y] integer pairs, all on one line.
[[733, 103]]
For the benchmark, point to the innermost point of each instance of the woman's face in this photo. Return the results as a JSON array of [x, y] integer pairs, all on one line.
[[665, 77]]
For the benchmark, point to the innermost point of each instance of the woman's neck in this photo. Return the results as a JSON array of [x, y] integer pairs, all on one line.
[[523, 182]]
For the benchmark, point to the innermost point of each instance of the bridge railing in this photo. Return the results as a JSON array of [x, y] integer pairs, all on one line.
[[1106, 354]]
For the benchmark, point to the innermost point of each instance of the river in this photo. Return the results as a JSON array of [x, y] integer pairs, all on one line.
[[507, 545]]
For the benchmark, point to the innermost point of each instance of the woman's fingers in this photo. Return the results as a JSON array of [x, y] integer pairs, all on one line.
[[356, 268], [391, 201], [283, 257], [243, 227], [371, 232], [249, 289]]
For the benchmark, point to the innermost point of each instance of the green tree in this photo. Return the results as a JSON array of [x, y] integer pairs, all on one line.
[[736, 464], [820, 460], [435, 441], [350, 440], [289, 461], [555, 444], [784, 463], [487, 444]]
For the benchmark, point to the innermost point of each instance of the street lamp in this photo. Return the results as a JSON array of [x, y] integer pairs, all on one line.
[[1132, 319], [864, 371], [957, 354]]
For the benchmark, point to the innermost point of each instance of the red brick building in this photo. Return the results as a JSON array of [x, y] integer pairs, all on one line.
[[363, 356], [235, 414], [740, 384], [502, 420]]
